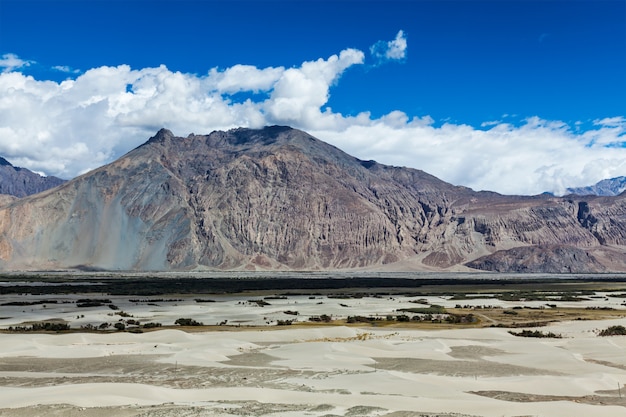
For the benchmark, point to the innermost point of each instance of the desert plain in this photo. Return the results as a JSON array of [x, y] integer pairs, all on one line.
[[431, 349]]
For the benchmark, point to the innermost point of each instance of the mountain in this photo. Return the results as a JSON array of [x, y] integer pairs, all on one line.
[[609, 187], [20, 182], [278, 198]]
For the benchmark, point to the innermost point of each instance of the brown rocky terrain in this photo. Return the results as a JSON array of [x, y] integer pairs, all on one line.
[[277, 198]]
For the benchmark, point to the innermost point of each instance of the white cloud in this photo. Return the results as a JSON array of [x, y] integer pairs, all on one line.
[[391, 50], [65, 68], [244, 78], [300, 92], [10, 62], [611, 121], [490, 123], [66, 128], [535, 157]]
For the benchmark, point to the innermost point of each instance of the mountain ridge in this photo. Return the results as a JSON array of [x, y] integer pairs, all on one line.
[[278, 198], [607, 187], [21, 182]]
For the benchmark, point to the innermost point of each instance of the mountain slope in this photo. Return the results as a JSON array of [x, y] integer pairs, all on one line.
[[277, 198], [608, 187], [20, 182]]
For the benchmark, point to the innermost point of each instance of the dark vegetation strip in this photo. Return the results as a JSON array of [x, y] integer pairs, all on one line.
[[150, 286], [29, 303]]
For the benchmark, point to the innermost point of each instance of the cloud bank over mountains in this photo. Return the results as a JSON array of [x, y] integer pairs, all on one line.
[[67, 128]]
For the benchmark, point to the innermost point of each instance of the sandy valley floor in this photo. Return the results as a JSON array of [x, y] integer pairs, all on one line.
[[306, 369]]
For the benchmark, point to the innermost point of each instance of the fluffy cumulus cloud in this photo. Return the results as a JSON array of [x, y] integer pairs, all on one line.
[[390, 50], [299, 93], [66, 128]]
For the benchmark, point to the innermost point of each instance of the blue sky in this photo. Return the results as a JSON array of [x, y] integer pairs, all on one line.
[[479, 93]]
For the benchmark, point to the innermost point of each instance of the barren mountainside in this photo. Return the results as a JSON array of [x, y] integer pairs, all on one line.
[[277, 198], [20, 182]]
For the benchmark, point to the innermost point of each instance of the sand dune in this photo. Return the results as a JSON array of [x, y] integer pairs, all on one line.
[[320, 371]]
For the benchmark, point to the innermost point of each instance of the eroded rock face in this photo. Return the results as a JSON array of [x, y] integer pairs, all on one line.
[[277, 198]]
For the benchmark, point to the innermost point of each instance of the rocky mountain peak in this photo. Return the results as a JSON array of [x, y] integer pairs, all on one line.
[[161, 136], [4, 162]]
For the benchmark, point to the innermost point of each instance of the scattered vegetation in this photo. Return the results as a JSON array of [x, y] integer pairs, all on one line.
[[536, 333], [188, 322], [341, 288], [260, 303], [121, 314], [433, 309], [523, 324], [345, 296], [42, 326], [461, 318], [362, 319], [531, 295], [324, 318], [86, 304], [28, 303], [613, 331]]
